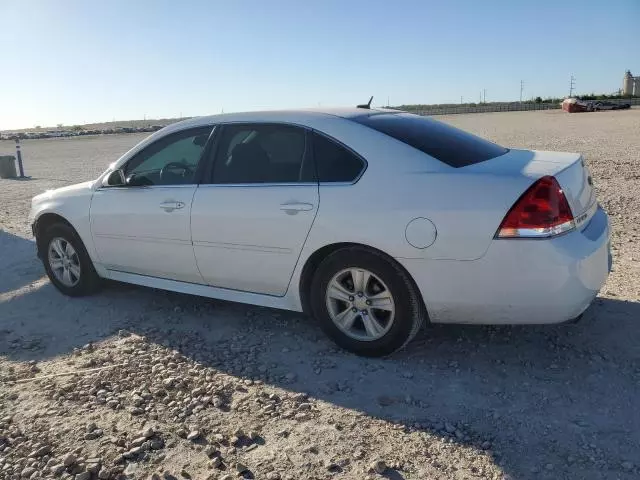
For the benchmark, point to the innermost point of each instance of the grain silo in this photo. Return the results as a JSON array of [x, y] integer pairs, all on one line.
[[630, 85]]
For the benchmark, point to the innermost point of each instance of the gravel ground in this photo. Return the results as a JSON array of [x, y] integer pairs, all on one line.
[[134, 382]]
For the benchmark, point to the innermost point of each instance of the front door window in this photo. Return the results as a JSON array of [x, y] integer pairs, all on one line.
[[172, 160]]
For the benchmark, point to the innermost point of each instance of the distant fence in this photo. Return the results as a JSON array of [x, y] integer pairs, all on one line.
[[501, 107]]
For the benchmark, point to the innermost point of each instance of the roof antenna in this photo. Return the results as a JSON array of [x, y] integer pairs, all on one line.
[[366, 105]]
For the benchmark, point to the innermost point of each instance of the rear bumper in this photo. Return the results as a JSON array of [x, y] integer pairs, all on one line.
[[519, 281]]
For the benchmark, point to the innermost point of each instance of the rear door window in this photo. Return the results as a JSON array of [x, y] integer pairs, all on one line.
[[443, 142], [262, 153]]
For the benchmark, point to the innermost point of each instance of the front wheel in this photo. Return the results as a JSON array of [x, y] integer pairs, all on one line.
[[67, 262], [365, 302]]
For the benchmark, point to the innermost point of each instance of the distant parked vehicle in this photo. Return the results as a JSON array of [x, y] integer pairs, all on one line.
[[603, 105]]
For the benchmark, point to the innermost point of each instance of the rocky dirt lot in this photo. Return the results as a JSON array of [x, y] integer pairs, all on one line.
[[138, 383]]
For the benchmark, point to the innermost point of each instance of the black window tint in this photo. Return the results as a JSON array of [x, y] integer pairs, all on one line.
[[448, 144], [261, 153], [334, 162], [172, 160]]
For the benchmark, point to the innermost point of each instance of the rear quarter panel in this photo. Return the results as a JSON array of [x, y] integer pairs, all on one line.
[[402, 183]]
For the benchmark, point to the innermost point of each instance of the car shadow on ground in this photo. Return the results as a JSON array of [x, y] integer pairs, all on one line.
[[20, 264], [548, 401]]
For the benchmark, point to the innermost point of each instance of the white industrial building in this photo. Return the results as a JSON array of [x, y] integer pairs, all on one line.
[[630, 85]]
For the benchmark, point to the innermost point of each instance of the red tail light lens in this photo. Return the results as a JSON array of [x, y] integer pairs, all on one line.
[[542, 211]]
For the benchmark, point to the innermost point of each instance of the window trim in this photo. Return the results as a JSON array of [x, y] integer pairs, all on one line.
[[200, 169], [207, 180], [365, 164]]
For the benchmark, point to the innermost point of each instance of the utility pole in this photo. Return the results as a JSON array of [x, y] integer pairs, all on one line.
[[480, 96], [521, 89], [387, 101], [572, 85], [484, 91]]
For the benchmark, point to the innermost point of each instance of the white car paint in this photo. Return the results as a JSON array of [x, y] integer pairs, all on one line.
[[238, 228], [242, 243]]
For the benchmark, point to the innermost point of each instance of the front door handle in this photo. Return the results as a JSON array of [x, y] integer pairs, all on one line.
[[291, 208], [171, 205]]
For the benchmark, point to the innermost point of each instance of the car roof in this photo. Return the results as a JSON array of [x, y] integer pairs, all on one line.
[[294, 116]]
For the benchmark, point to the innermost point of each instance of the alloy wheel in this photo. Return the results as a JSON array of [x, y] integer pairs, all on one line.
[[360, 304], [64, 262]]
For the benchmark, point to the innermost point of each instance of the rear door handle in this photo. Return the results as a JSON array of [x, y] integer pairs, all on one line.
[[171, 205], [294, 207]]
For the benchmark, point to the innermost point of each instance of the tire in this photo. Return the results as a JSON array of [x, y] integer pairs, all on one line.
[[400, 326], [84, 283]]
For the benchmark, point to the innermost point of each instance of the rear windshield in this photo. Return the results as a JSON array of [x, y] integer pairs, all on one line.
[[448, 144]]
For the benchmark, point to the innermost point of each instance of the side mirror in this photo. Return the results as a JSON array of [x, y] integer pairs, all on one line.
[[115, 179]]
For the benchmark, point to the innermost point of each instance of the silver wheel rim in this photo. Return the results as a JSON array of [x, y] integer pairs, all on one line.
[[360, 304], [64, 262]]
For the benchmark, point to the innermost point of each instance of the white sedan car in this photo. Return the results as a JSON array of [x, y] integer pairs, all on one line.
[[372, 221]]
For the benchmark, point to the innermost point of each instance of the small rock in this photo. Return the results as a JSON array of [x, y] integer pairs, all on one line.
[[193, 435], [91, 427], [135, 451], [136, 442], [147, 432], [548, 466], [379, 466], [240, 467], [103, 474], [290, 377], [210, 451], [97, 433], [57, 469], [84, 476], [69, 459], [156, 444], [27, 472], [131, 469], [215, 462], [41, 452], [273, 476], [627, 465]]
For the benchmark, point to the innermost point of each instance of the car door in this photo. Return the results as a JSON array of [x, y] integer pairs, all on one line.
[[143, 225], [250, 222]]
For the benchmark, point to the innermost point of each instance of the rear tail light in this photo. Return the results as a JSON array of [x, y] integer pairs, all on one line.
[[542, 211]]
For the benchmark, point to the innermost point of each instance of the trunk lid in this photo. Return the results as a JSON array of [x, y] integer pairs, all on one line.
[[569, 170]]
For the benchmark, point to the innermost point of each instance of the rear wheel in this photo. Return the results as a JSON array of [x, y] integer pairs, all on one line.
[[365, 302], [67, 262]]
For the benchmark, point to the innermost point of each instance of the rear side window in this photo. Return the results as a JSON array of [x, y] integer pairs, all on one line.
[[334, 162], [443, 142]]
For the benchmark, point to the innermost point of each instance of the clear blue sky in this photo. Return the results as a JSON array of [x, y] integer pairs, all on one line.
[[76, 61]]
